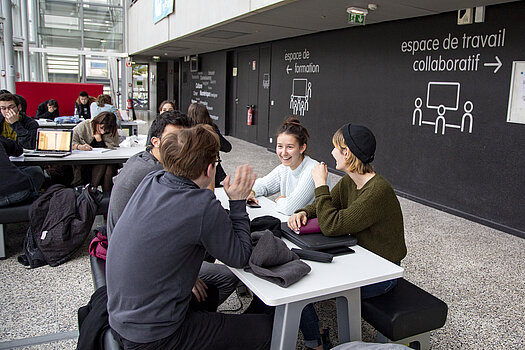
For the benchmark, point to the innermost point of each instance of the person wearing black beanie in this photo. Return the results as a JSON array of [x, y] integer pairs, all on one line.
[[362, 204]]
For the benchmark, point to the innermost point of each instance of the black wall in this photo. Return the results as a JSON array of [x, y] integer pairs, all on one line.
[[360, 75], [208, 86]]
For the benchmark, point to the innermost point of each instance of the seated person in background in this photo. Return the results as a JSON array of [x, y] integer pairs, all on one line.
[[292, 178], [21, 100], [153, 263], [14, 124], [18, 183], [198, 114], [103, 103], [99, 132], [166, 106], [83, 104], [47, 110], [362, 204], [134, 171]]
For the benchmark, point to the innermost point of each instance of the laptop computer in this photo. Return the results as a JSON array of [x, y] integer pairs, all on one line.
[[317, 241], [52, 143]]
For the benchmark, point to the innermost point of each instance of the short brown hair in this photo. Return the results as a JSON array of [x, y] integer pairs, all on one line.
[[6, 97], [188, 152], [108, 119], [353, 164], [198, 114], [104, 100]]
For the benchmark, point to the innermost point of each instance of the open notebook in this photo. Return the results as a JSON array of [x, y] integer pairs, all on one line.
[[52, 143]]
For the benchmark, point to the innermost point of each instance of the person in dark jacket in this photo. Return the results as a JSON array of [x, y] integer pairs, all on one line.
[[47, 110], [21, 100], [14, 124], [18, 184], [82, 105], [198, 114], [153, 263]]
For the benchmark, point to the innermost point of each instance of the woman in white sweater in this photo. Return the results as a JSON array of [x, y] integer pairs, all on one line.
[[292, 178]]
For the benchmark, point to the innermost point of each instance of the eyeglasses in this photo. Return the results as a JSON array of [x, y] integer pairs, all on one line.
[[2, 108]]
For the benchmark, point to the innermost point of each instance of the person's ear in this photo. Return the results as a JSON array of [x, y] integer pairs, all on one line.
[[302, 149], [346, 152], [155, 141], [208, 169]]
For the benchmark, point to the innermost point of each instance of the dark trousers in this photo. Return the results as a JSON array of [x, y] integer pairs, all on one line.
[[211, 330]]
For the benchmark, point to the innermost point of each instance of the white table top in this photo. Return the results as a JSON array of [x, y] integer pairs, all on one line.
[[109, 155], [47, 123], [343, 273]]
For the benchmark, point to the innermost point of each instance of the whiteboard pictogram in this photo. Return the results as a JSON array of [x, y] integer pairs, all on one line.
[[443, 97], [301, 93]]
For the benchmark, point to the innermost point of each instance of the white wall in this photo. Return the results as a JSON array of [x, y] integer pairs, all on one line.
[[190, 16]]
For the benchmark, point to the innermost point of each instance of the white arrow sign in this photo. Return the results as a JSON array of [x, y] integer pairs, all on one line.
[[288, 69], [497, 64]]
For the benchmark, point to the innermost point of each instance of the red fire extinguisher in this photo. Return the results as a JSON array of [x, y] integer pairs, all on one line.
[[249, 120], [129, 103]]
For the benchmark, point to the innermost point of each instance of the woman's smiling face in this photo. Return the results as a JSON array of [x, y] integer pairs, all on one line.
[[289, 151]]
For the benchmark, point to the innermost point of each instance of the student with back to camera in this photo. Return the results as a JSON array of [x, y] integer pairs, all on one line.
[[153, 263], [362, 204], [104, 103], [198, 114], [292, 178]]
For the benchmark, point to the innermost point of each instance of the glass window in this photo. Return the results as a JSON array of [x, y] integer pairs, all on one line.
[[96, 68], [103, 28], [59, 24], [140, 86]]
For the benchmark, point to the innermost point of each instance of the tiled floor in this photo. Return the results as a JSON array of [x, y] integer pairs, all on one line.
[[478, 271]]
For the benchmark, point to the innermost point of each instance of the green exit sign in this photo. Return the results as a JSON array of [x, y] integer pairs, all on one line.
[[356, 18]]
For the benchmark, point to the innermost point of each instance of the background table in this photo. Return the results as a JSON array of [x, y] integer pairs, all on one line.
[[112, 156], [340, 279], [130, 126]]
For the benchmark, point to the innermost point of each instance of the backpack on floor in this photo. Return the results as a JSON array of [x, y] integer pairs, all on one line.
[[60, 221]]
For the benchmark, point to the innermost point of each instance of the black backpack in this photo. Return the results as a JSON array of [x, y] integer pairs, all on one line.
[[60, 221]]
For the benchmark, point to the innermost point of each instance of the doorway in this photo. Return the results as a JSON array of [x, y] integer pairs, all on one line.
[[248, 85]]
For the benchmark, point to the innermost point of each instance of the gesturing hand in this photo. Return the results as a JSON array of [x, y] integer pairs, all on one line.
[[242, 184], [320, 174]]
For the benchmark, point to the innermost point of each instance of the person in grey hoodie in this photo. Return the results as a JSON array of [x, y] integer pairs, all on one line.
[[129, 178], [158, 245]]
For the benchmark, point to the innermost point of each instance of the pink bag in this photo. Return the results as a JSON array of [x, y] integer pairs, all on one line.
[[99, 246], [312, 226]]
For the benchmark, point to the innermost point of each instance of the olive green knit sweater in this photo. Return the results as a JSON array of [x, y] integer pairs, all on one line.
[[371, 214]]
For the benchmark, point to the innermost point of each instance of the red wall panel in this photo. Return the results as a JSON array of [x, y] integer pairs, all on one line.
[[65, 93]]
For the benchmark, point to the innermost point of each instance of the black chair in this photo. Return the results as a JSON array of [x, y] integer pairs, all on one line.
[[10, 215], [20, 213], [405, 315], [98, 272]]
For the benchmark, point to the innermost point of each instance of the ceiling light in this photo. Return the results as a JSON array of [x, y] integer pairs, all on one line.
[[357, 10]]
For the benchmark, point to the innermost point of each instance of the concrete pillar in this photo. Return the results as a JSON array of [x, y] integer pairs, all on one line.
[[8, 46], [123, 83], [25, 35]]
